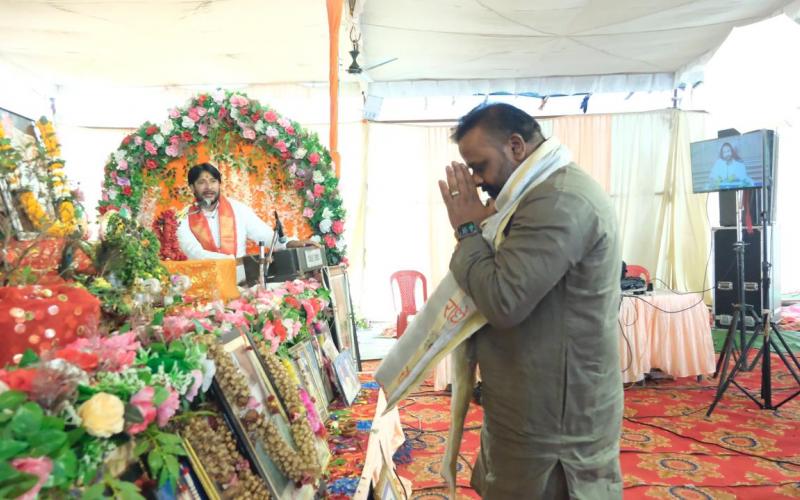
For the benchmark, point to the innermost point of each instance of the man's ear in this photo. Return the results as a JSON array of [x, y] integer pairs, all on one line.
[[518, 149]]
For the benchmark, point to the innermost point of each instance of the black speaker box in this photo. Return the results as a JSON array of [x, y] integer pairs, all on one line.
[[725, 292]]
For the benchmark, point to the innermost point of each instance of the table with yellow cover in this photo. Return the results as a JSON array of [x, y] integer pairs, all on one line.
[[212, 279]]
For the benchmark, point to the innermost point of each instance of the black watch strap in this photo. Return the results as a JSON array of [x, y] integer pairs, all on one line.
[[466, 229]]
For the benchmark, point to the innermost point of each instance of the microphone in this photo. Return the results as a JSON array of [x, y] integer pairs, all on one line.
[[279, 228]]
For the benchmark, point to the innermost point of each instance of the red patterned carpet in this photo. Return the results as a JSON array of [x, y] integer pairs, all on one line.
[[669, 449]]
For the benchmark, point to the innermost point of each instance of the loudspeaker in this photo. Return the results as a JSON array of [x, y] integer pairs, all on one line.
[[727, 207], [725, 292]]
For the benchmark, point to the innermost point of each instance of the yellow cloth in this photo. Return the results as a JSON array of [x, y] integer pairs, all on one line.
[[212, 279]]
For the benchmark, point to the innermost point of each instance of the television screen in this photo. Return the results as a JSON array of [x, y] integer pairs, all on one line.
[[734, 162]]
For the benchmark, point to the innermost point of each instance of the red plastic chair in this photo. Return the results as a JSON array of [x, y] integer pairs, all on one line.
[[638, 272], [407, 284]]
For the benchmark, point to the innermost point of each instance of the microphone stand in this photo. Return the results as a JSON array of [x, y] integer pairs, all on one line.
[[264, 263]]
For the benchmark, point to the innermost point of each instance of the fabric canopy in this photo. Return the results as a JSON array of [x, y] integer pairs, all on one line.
[[532, 46]]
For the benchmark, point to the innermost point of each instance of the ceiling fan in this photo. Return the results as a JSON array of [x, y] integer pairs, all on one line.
[[355, 68]]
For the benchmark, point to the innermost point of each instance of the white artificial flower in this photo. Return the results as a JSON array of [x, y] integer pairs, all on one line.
[[327, 213], [260, 126], [158, 139], [209, 369], [167, 127], [316, 238], [300, 153], [119, 155], [218, 95], [187, 122], [340, 244], [272, 131], [325, 225], [318, 177]]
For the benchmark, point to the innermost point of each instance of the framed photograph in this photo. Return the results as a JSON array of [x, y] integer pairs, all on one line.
[[310, 377], [343, 317], [311, 355], [260, 389], [29, 175], [389, 486], [327, 345], [195, 481], [324, 368], [347, 375]]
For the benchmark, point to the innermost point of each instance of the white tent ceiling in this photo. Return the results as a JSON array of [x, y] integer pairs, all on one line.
[[195, 42]]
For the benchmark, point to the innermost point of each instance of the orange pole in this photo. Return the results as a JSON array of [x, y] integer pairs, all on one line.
[[334, 21]]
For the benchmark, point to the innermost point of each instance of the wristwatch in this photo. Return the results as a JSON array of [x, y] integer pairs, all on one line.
[[466, 229]]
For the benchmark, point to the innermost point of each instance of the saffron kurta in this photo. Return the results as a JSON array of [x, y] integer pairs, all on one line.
[[552, 388]]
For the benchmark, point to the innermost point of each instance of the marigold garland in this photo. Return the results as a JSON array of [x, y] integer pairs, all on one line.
[[9, 157], [66, 223]]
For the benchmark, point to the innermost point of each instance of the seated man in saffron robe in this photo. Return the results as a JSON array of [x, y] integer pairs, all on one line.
[[217, 227]]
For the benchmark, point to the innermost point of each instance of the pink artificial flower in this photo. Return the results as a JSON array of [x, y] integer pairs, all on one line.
[[283, 122], [243, 306], [203, 128], [310, 312], [191, 393], [143, 401], [309, 195], [175, 139], [249, 133], [319, 190], [281, 146], [122, 165], [330, 241], [223, 112], [313, 158], [269, 335], [137, 140], [40, 467], [176, 326], [308, 213], [271, 116], [239, 101], [338, 227], [116, 352], [193, 114], [150, 148], [290, 130], [295, 287], [201, 111], [313, 418], [253, 404], [174, 113], [168, 408], [172, 150]]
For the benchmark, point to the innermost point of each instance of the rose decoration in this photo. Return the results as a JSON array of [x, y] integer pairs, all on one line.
[[102, 415]]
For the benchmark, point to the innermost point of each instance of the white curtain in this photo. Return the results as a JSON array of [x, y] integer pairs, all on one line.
[[406, 221]]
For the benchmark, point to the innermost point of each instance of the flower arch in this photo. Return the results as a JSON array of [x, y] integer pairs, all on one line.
[[266, 161]]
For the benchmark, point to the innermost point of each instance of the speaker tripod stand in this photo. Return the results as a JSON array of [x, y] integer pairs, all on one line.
[[763, 326]]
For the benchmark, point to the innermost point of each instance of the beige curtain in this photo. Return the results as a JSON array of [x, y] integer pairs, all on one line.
[[686, 238], [664, 226], [642, 159], [589, 139]]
